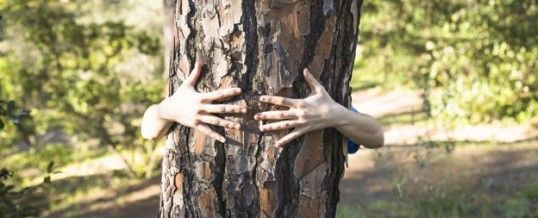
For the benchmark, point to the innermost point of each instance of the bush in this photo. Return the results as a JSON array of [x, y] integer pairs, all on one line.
[[475, 61]]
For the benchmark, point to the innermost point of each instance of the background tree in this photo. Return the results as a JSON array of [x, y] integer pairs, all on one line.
[[68, 70], [475, 61], [261, 47]]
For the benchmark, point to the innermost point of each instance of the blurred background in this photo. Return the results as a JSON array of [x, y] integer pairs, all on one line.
[[455, 84]]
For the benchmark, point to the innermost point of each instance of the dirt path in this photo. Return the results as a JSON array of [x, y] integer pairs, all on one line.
[[394, 173]]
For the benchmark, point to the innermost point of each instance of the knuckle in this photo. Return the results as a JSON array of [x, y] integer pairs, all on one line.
[[200, 109], [210, 120]]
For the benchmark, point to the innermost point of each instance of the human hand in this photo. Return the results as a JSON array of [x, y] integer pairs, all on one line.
[[194, 109], [317, 111]]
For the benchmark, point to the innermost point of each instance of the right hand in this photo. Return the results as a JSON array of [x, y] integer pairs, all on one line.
[[194, 109]]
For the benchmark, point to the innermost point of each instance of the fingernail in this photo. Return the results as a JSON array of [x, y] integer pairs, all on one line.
[[243, 110]]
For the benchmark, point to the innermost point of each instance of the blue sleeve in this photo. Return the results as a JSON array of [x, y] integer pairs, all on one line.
[[352, 147]]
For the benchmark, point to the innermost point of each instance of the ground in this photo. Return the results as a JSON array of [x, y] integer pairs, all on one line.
[[424, 170]]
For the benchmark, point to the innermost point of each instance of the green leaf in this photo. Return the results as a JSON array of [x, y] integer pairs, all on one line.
[[50, 167], [4, 173], [46, 180]]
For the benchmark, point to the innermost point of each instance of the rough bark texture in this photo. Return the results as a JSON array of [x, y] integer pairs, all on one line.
[[260, 46]]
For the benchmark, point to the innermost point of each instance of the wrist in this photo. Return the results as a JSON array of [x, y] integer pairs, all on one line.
[[341, 115]]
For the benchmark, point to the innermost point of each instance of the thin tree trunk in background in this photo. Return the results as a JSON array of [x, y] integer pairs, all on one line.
[[260, 46], [168, 27]]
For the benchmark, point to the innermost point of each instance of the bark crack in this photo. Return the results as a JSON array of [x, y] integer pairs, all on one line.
[[220, 162], [251, 40], [255, 169], [190, 43], [317, 27]]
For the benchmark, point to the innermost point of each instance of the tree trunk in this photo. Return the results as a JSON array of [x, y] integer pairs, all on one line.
[[260, 46], [168, 27]]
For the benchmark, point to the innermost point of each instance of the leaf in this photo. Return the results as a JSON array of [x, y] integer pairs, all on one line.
[[4, 173], [9, 188], [2, 125], [50, 167], [10, 106], [46, 180]]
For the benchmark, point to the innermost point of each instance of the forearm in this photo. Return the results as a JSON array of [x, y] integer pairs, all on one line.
[[359, 128], [153, 126]]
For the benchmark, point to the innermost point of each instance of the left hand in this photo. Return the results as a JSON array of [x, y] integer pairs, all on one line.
[[317, 111]]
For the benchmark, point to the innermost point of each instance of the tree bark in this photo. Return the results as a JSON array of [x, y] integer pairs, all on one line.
[[260, 46]]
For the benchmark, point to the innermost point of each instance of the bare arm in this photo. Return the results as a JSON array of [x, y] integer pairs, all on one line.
[[153, 125], [359, 128], [191, 108], [319, 111]]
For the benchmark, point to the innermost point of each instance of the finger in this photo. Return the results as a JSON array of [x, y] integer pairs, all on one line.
[[195, 73], [288, 102], [312, 82], [280, 125], [275, 115], [222, 94], [291, 136], [211, 133], [217, 121], [223, 109]]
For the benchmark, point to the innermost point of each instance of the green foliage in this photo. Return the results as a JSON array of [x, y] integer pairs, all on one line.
[[475, 61], [20, 202], [74, 76], [14, 200], [78, 75]]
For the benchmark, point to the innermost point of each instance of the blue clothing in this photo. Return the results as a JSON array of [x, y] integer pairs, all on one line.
[[352, 147]]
